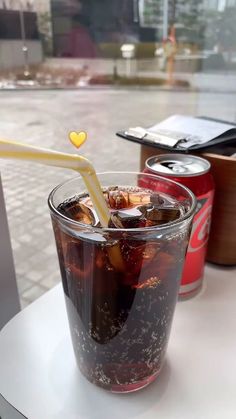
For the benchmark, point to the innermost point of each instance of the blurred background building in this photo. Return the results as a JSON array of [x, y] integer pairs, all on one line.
[[18, 32], [199, 25], [200, 35]]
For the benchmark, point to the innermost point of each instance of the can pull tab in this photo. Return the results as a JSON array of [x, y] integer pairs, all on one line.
[[177, 167]]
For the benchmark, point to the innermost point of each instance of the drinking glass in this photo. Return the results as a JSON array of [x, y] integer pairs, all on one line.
[[120, 317]]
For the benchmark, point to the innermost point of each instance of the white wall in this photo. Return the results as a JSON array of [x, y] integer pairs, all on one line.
[[11, 55]]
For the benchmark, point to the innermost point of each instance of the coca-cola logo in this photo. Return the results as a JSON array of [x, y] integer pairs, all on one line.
[[201, 225]]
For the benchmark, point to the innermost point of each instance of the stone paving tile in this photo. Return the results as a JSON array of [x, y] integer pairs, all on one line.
[[24, 303], [35, 276], [23, 284], [51, 280], [50, 250], [22, 255], [34, 292], [101, 113], [14, 244]]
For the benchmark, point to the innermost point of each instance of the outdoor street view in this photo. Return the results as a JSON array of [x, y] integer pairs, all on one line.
[[99, 67], [77, 43]]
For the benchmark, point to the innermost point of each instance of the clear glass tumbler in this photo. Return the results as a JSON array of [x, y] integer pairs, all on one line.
[[120, 320]]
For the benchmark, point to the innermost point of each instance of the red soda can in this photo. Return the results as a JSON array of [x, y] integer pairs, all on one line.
[[193, 172]]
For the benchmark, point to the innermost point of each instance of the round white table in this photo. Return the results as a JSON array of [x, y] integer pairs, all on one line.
[[39, 376]]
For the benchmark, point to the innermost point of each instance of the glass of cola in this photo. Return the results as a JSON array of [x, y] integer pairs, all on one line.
[[121, 282]]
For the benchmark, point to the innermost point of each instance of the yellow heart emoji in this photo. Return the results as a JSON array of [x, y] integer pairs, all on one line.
[[78, 138]]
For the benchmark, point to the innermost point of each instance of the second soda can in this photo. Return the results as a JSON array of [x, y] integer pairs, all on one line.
[[193, 172]]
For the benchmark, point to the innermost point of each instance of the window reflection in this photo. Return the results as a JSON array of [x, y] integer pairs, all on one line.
[[171, 39]]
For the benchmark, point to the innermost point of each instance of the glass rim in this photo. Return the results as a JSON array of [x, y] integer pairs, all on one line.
[[161, 227]]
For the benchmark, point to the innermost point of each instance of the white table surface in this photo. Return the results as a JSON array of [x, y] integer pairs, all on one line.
[[39, 376]]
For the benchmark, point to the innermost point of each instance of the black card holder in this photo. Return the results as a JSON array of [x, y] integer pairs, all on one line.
[[218, 144]]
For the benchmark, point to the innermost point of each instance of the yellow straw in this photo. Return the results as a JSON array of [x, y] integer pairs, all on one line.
[[11, 149], [21, 151]]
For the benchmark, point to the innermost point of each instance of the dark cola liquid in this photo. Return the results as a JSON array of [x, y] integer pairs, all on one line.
[[120, 314]]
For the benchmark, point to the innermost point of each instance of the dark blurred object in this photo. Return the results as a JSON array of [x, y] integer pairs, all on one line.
[[10, 25], [80, 43], [223, 149], [24, 76]]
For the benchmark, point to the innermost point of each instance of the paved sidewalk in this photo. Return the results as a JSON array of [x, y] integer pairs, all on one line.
[[44, 118]]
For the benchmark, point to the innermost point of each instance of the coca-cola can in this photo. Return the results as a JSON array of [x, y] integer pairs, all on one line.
[[193, 172]]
